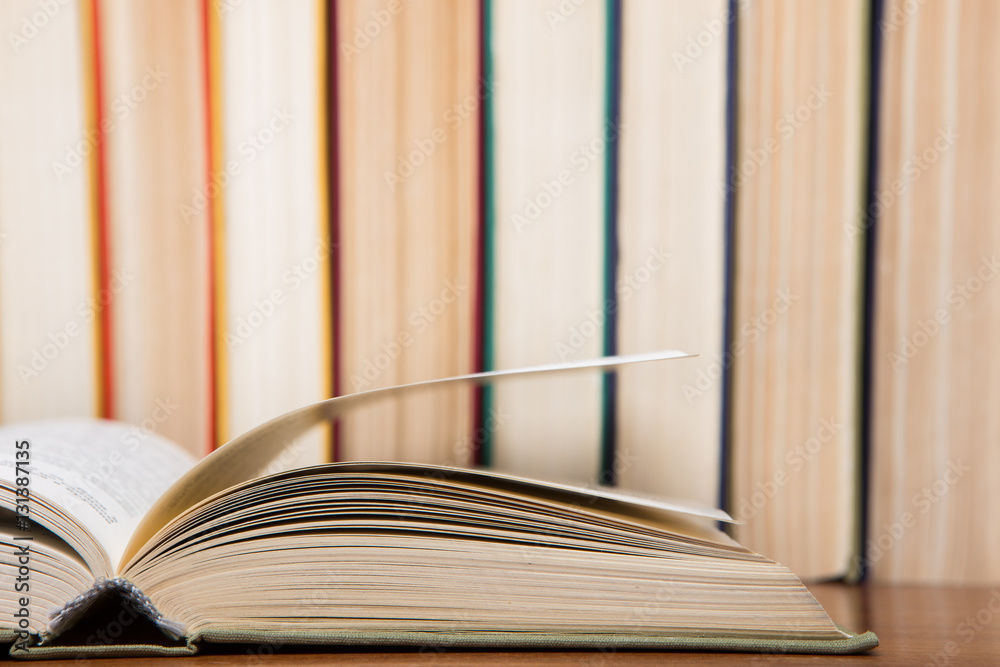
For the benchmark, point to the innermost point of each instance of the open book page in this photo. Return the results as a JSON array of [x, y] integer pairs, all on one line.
[[584, 493], [586, 496], [245, 457], [101, 475]]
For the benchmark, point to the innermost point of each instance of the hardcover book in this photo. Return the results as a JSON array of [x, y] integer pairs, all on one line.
[[796, 463], [116, 542]]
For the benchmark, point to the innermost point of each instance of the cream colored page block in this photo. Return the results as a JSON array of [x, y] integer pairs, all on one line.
[[152, 73], [407, 222], [47, 347], [920, 261], [471, 94], [797, 295], [935, 431], [548, 123], [438, 225], [277, 252], [832, 261], [372, 324], [845, 156], [975, 424], [671, 265]]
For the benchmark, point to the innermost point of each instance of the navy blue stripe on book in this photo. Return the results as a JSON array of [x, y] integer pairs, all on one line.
[[869, 228], [612, 111], [732, 42], [333, 211]]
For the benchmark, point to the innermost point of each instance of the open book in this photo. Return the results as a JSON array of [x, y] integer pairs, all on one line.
[[111, 547]]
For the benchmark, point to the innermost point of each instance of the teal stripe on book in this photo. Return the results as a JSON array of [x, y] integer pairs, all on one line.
[[612, 103]]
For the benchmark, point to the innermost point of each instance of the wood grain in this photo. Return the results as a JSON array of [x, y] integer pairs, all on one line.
[[915, 625]]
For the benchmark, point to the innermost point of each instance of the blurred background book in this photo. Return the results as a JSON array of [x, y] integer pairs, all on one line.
[[215, 211]]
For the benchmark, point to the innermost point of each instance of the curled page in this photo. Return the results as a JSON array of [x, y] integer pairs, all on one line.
[[242, 458]]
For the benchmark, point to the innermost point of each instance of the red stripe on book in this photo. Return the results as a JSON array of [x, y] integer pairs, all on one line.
[[209, 228]]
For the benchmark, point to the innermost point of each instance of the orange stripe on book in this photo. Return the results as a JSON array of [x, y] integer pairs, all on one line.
[[90, 24], [323, 169], [215, 224], [87, 47]]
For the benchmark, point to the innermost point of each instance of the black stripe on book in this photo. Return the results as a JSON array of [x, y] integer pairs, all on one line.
[[483, 447], [729, 222], [870, 228]]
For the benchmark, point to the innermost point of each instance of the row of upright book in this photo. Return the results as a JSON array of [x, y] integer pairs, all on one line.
[[212, 212]]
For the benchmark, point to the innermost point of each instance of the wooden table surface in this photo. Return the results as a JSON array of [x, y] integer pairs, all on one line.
[[915, 626]]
